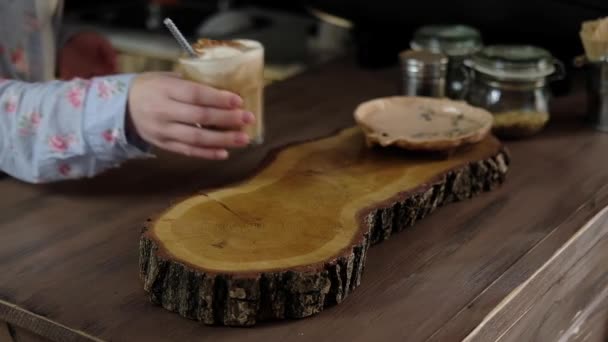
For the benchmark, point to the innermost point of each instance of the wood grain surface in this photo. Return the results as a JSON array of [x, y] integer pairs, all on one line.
[[555, 302], [11, 333], [69, 252], [294, 238]]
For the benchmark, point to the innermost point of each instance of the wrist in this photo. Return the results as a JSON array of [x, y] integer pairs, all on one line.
[[106, 119], [132, 136]]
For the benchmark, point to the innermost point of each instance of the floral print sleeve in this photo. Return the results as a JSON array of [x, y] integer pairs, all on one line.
[[63, 130], [52, 130]]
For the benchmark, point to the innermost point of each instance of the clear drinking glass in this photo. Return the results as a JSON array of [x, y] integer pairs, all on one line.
[[242, 74]]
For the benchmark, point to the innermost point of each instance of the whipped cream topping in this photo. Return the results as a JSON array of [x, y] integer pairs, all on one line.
[[220, 52], [217, 49]]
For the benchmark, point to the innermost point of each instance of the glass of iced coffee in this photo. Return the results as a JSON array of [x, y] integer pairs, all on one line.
[[233, 65]]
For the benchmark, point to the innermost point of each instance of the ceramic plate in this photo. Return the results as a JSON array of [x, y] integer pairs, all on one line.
[[422, 123]]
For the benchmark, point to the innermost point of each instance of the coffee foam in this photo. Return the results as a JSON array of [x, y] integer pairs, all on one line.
[[208, 49], [219, 52], [229, 65]]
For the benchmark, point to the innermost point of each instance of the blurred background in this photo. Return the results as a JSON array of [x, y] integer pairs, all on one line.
[[300, 34]]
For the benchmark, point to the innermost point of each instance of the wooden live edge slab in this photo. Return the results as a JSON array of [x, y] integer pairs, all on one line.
[[293, 239]]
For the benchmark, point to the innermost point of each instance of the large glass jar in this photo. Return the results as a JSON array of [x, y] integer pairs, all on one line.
[[512, 82], [458, 42]]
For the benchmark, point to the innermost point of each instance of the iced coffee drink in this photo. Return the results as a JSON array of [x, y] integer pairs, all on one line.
[[236, 66]]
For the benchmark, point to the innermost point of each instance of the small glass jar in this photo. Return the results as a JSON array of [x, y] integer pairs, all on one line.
[[458, 42], [512, 82]]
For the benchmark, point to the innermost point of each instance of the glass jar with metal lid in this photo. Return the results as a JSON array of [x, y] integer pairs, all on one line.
[[458, 42], [512, 82]]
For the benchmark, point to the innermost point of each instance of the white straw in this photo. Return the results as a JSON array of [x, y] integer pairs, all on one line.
[[179, 37]]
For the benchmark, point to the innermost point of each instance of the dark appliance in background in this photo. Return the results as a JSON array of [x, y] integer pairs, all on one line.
[[385, 27], [141, 14], [382, 28], [144, 14], [283, 29]]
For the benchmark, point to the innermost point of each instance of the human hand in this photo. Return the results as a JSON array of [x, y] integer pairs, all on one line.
[[164, 108], [86, 55]]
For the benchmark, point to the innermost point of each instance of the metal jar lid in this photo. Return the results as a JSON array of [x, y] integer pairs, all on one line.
[[514, 62], [423, 63], [453, 40]]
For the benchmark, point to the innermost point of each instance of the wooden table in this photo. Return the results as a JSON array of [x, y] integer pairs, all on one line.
[[527, 262]]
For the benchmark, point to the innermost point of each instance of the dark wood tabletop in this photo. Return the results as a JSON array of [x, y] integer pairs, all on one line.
[[69, 252]]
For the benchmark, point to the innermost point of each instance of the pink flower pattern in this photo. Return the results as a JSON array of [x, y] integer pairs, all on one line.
[[28, 124], [19, 60], [61, 143], [106, 89], [66, 125], [76, 96], [111, 135], [10, 104], [83, 82], [35, 118], [64, 169], [77, 92]]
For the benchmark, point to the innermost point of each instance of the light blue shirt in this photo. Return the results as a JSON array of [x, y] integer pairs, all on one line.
[[54, 130]]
